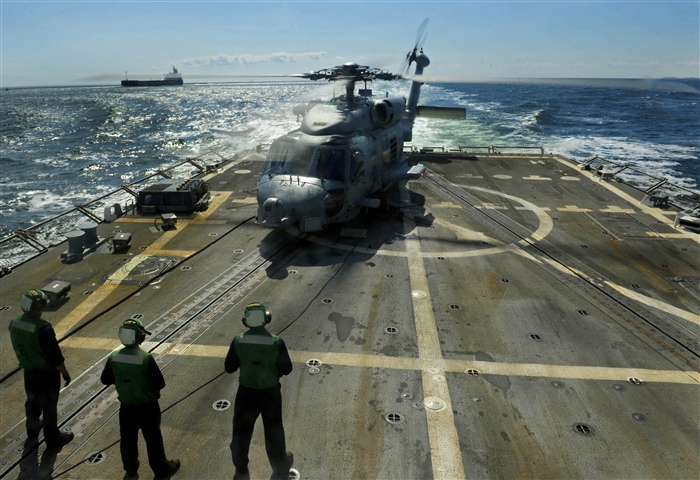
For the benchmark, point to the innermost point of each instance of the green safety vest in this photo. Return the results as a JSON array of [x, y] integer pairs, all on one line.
[[129, 367], [257, 350], [24, 333]]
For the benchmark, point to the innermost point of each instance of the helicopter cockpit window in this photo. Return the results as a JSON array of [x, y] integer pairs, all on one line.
[[330, 164], [286, 158]]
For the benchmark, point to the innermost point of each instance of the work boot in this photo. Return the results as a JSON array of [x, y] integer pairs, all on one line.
[[173, 466], [283, 472], [134, 472], [241, 474], [63, 439]]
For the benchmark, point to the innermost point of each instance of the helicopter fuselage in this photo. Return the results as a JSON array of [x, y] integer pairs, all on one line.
[[333, 166]]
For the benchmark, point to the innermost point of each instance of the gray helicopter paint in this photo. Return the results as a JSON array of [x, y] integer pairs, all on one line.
[[367, 134]]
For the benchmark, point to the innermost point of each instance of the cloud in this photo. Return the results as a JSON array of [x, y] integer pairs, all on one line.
[[249, 59]]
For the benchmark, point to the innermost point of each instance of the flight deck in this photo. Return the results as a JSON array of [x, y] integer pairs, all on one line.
[[508, 316]]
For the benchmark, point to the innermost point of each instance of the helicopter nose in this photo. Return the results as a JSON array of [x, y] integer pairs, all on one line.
[[273, 213]]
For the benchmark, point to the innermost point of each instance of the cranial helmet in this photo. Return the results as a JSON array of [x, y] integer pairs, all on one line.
[[132, 333], [33, 300], [256, 315]]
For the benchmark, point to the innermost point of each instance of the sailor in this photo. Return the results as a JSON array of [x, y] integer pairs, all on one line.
[[138, 381], [37, 350], [263, 359]]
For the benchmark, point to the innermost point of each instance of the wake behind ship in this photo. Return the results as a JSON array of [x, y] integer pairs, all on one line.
[[172, 78]]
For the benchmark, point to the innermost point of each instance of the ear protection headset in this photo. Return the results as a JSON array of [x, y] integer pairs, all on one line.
[[132, 333], [33, 300], [256, 315]]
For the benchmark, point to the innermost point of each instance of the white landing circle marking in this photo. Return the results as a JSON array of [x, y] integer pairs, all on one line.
[[545, 226]]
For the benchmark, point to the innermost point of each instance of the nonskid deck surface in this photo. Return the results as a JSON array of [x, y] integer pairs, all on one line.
[[514, 318]]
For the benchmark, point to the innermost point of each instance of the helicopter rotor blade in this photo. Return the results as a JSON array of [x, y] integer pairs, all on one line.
[[420, 40]]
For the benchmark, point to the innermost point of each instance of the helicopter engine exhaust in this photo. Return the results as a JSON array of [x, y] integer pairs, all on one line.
[[388, 111]]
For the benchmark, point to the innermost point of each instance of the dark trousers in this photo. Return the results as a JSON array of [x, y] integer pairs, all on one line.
[[146, 417], [251, 402], [42, 387]]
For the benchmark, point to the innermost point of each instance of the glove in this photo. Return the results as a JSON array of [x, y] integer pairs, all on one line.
[[66, 377]]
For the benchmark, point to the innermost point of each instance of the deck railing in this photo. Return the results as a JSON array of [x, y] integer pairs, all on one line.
[[485, 150], [24, 244]]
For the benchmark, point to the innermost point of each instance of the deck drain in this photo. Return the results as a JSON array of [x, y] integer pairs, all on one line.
[[634, 285], [95, 457], [663, 265], [582, 312], [294, 474], [440, 258], [557, 384], [534, 336], [434, 403], [293, 272], [555, 218], [327, 301], [454, 306], [639, 417], [619, 387], [634, 381], [393, 417], [388, 275], [583, 429], [213, 234], [3, 308], [477, 399], [418, 405], [391, 330], [185, 268], [314, 362], [484, 243], [605, 233], [314, 370], [88, 292], [137, 315], [144, 247], [473, 372], [221, 405], [505, 280], [238, 250], [407, 396]]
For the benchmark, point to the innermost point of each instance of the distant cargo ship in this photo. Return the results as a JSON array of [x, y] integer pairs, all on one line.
[[172, 78]]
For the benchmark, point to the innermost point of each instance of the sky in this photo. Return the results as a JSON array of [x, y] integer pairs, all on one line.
[[47, 43]]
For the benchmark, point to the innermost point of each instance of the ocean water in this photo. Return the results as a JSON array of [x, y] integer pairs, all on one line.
[[63, 146]]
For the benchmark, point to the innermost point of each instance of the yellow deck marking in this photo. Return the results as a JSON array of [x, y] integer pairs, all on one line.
[[445, 454], [171, 253], [103, 291], [534, 370], [616, 209], [245, 200], [83, 309], [574, 209], [658, 304], [536, 177], [654, 212]]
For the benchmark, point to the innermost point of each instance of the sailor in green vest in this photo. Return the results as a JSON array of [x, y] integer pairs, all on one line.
[[37, 350], [263, 359], [138, 381]]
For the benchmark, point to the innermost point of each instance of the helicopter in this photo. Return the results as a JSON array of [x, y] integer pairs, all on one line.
[[347, 151]]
